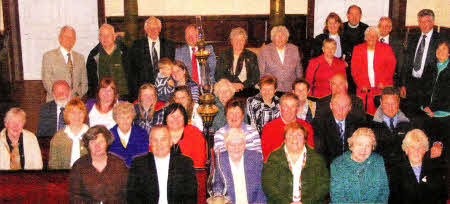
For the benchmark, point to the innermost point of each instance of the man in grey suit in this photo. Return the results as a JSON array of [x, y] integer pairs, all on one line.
[[51, 114], [385, 27], [185, 54], [65, 64]]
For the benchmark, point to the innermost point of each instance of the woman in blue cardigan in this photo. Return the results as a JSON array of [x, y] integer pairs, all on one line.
[[359, 176], [129, 140]]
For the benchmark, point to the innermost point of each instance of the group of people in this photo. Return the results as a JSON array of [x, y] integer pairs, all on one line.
[[279, 137]]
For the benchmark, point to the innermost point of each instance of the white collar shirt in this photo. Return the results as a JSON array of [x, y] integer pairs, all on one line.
[[76, 138], [162, 171], [419, 73]]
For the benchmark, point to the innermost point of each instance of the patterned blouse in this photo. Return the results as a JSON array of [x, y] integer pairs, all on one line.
[[260, 113]]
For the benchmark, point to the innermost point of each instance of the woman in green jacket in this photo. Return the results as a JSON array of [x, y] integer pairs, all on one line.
[[295, 173]]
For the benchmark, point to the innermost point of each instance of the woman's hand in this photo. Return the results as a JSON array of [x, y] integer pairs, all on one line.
[[428, 111]]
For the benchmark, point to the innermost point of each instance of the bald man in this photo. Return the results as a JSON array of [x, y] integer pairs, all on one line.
[[64, 64], [108, 59]]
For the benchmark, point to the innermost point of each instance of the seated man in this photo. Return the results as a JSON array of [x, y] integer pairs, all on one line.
[[238, 170], [390, 126], [19, 148], [108, 59], [339, 85], [272, 133], [51, 114], [333, 129], [161, 177], [234, 113]]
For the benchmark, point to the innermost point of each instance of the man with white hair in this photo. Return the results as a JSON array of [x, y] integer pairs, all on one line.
[[51, 118], [146, 52], [108, 59], [65, 64]]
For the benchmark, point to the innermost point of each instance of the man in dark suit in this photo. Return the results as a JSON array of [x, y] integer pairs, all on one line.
[[385, 27], [145, 54], [419, 67], [353, 34], [333, 129], [161, 176], [51, 117], [339, 85], [185, 54]]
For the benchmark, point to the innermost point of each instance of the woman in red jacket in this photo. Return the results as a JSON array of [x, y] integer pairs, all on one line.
[[373, 66], [322, 68]]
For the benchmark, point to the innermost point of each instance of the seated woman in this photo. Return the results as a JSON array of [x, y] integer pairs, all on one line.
[[186, 139], [238, 65], [372, 68], [416, 179], [129, 140], [66, 146], [307, 108], [295, 173], [265, 106], [181, 76], [182, 95], [224, 91], [239, 170], [322, 68], [359, 176], [98, 177], [145, 107], [100, 108], [19, 148]]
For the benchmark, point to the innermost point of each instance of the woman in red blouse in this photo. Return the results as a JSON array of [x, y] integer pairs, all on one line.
[[322, 68]]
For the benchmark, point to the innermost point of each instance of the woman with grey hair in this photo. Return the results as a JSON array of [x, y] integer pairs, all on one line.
[[359, 175], [372, 68], [98, 177], [19, 148], [130, 140], [239, 65], [280, 59], [224, 91], [419, 178]]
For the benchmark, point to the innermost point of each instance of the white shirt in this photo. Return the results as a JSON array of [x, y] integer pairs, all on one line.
[[385, 38], [198, 65], [75, 155], [162, 170], [124, 136], [296, 172], [97, 118], [157, 45], [281, 54], [243, 74], [419, 73], [370, 69], [338, 52], [240, 186], [64, 53], [196, 119]]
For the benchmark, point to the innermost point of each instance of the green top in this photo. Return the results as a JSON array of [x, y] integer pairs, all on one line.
[[277, 178], [111, 66]]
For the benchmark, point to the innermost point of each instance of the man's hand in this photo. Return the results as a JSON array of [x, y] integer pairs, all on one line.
[[403, 92], [238, 86], [436, 150], [428, 111]]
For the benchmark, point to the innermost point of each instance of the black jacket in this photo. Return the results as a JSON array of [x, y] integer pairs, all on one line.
[[440, 91], [225, 65], [143, 180], [141, 67], [318, 43], [47, 120], [323, 107], [92, 66]]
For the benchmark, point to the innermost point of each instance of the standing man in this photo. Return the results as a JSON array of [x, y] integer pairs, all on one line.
[[385, 28], [145, 54], [108, 59], [65, 64], [354, 34], [419, 67], [186, 52]]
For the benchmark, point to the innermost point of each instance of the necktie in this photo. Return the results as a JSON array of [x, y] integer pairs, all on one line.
[[70, 68], [194, 67], [124, 143], [154, 57], [15, 158], [382, 40], [61, 122], [391, 121], [419, 54], [341, 130]]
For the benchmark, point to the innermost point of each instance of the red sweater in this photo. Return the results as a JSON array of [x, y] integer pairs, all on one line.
[[323, 74], [193, 145], [272, 135]]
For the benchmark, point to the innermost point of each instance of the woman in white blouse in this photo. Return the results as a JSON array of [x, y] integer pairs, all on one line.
[[100, 109], [66, 146]]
